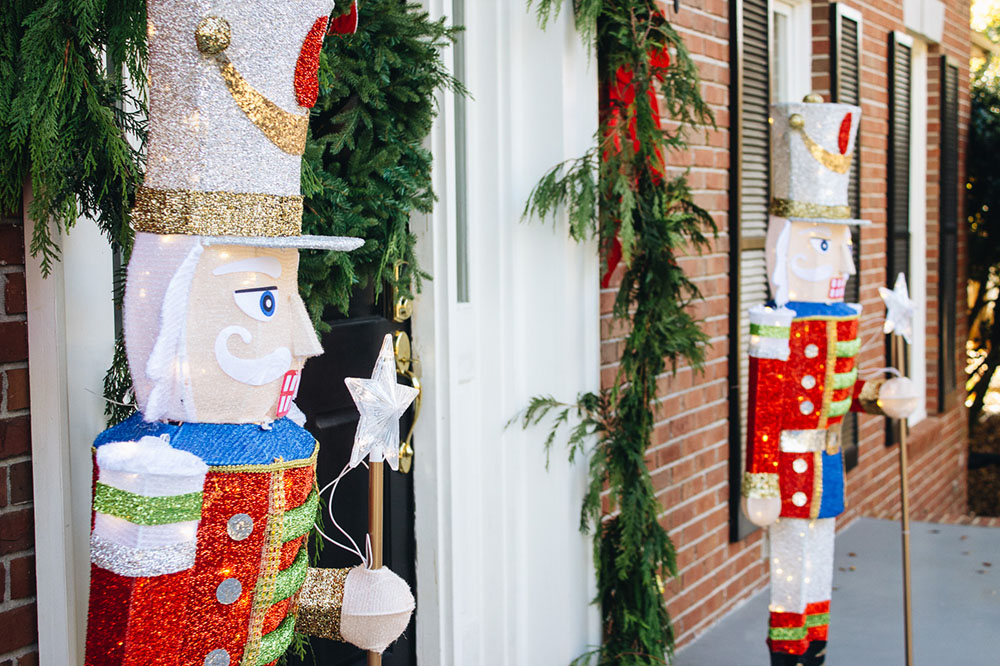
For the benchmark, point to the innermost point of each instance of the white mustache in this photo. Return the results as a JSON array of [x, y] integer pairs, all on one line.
[[821, 273], [252, 371]]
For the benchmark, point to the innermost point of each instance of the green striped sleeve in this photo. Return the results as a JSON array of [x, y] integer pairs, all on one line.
[[300, 520], [817, 620], [847, 348], [274, 644], [290, 580], [142, 510], [843, 380], [764, 331], [840, 407]]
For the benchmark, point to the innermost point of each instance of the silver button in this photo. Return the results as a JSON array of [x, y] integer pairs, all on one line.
[[808, 382], [799, 499], [217, 658], [239, 526], [806, 407], [800, 465], [812, 351], [229, 591]]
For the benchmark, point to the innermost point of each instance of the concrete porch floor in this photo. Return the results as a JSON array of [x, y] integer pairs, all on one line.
[[955, 599]]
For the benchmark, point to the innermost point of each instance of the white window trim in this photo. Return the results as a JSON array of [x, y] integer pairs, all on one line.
[[917, 282], [799, 48]]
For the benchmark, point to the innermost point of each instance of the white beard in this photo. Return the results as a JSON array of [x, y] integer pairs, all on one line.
[[821, 273], [252, 371]]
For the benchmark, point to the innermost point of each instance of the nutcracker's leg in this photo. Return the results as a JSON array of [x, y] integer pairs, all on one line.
[[818, 586], [787, 634]]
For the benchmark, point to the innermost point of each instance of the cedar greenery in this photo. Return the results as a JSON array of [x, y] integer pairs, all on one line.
[[366, 169], [66, 116], [608, 192]]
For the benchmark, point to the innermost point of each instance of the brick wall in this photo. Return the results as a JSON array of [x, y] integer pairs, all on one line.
[[18, 627], [689, 456]]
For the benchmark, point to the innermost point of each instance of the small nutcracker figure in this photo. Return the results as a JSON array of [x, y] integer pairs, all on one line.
[[803, 376], [204, 499]]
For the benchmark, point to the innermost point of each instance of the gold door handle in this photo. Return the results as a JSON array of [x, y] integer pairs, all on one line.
[[405, 367]]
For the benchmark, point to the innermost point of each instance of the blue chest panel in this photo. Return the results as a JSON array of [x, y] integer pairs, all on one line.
[[832, 503], [221, 443]]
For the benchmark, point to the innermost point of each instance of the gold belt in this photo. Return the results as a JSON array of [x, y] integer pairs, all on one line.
[[809, 441]]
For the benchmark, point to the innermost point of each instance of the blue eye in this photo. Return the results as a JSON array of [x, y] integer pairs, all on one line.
[[259, 303], [267, 303], [821, 245]]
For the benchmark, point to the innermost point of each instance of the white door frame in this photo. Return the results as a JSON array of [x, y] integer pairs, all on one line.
[[497, 543]]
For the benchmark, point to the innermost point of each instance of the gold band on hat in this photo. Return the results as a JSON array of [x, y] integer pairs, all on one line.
[[792, 208], [216, 213]]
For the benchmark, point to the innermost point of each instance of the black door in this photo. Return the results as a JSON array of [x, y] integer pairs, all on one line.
[[350, 350]]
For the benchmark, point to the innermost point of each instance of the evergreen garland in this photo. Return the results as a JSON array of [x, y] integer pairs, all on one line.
[[619, 192], [65, 116], [366, 169]]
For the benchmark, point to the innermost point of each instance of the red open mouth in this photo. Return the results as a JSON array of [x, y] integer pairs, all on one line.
[[289, 389], [837, 286]]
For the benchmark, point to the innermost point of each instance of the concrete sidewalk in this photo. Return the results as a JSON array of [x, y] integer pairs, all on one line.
[[956, 602]]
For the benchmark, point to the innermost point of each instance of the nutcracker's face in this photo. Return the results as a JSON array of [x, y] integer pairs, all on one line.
[[249, 328], [216, 333], [809, 261]]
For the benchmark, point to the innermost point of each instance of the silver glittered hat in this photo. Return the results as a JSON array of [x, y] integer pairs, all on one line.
[[812, 146], [230, 87]]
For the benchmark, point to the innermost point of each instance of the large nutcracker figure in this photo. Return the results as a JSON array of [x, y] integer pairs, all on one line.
[[803, 377], [204, 499]]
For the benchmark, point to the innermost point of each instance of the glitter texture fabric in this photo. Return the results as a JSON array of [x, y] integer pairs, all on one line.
[[198, 137], [307, 65], [320, 603], [805, 209], [135, 562], [212, 35], [199, 213], [286, 130], [807, 164], [146, 510]]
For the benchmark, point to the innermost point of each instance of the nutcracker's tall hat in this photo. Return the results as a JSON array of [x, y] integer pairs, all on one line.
[[231, 85], [812, 146]]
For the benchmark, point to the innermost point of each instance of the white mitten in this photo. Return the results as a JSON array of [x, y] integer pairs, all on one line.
[[368, 608]]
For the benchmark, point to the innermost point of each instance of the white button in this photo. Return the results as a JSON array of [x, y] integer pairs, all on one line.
[[812, 351], [239, 526], [229, 591], [799, 499], [800, 465], [217, 658], [806, 407], [808, 382]]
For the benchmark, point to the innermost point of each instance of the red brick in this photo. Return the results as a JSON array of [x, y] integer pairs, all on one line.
[[18, 533], [30, 659], [20, 483], [11, 244], [3, 491], [15, 294], [15, 437], [13, 341], [20, 628], [17, 389], [22, 577]]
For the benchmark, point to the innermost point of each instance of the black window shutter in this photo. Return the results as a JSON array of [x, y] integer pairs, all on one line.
[[898, 251], [948, 250], [749, 195], [845, 88]]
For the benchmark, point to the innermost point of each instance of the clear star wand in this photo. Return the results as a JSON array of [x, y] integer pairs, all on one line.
[[381, 402]]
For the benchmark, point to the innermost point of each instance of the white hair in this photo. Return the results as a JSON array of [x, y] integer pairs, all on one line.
[[776, 256], [160, 274]]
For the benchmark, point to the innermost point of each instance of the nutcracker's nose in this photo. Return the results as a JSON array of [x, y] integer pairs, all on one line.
[[847, 266]]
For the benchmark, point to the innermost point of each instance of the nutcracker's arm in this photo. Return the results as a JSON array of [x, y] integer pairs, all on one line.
[[770, 330], [865, 396], [147, 504]]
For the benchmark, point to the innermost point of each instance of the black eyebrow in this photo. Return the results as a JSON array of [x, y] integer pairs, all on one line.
[[243, 291]]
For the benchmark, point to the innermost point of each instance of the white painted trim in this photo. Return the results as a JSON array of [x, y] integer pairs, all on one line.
[[918, 222], [798, 50], [70, 346], [50, 454]]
